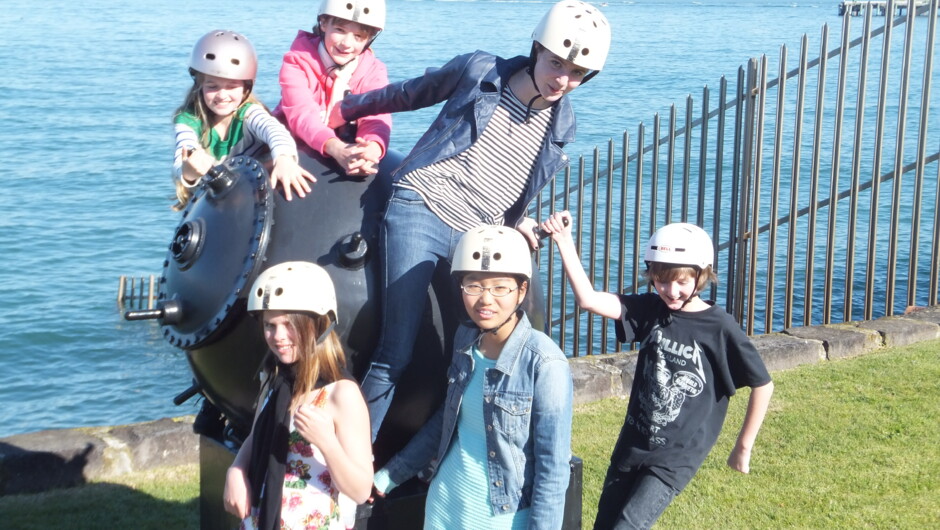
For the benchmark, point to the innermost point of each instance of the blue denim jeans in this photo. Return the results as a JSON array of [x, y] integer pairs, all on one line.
[[413, 242], [632, 499]]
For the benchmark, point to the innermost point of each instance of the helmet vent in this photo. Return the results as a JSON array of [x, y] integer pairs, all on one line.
[[497, 256], [210, 56], [349, 6], [585, 51], [236, 62], [365, 11], [567, 43], [279, 291], [260, 291], [476, 255]]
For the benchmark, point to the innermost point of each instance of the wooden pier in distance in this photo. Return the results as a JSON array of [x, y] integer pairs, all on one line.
[[856, 8], [136, 293]]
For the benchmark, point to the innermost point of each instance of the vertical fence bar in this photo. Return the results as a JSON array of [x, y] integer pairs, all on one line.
[[871, 264], [638, 207], [550, 262], [795, 171], [654, 175], [579, 239], [896, 198], [686, 156], [775, 189], [702, 169], [608, 215], [719, 162], [935, 246], [921, 155], [747, 174], [734, 235], [624, 184], [834, 175], [759, 101], [670, 163], [564, 277], [814, 176], [856, 166], [592, 241]]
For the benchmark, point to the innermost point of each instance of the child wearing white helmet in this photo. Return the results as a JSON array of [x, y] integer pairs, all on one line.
[[692, 358], [308, 459], [500, 444], [221, 118], [495, 144], [324, 65]]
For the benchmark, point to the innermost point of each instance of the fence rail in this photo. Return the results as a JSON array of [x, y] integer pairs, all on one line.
[[786, 174]]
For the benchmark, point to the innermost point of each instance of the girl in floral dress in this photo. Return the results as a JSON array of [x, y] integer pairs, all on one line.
[[308, 459]]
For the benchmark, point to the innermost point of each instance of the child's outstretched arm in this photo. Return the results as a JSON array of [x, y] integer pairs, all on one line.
[[740, 458], [342, 433], [597, 302]]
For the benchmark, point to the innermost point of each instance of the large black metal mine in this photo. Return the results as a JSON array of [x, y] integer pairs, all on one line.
[[235, 227]]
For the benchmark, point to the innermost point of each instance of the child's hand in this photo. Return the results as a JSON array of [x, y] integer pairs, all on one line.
[[526, 227], [237, 494], [196, 163], [315, 425], [367, 156], [740, 459], [289, 173], [357, 159], [558, 225]]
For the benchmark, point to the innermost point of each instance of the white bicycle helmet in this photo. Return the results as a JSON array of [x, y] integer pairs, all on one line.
[[226, 54], [365, 12], [681, 244], [576, 31], [294, 286], [492, 248]]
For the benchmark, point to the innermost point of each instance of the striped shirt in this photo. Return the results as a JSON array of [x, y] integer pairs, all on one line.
[[478, 185], [252, 131]]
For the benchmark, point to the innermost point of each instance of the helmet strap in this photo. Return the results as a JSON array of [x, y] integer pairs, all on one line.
[[326, 332]]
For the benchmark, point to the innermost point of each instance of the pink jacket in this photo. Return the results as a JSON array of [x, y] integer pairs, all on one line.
[[305, 88]]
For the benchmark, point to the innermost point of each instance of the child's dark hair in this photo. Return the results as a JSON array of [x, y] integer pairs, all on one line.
[[667, 272]]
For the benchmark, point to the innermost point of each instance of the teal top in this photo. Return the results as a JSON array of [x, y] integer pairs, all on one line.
[[459, 493]]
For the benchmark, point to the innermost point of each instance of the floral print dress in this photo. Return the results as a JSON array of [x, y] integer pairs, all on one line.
[[309, 501]]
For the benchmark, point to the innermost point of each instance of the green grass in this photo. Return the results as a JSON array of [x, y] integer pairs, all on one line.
[[846, 444]]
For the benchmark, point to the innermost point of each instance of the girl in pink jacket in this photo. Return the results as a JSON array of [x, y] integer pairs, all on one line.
[[325, 65]]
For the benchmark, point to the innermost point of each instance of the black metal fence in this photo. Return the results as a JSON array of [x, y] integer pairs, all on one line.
[[819, 188]]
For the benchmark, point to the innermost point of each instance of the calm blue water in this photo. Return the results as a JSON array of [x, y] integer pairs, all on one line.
[[89, 88]]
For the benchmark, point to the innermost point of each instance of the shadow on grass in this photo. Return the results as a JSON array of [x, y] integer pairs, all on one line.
[[96, 506]]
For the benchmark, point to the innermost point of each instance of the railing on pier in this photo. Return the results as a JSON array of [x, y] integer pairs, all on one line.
[[136, 293], [857, 8], [813, 185]]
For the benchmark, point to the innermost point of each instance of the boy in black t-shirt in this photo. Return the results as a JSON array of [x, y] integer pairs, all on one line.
[[692, 358]]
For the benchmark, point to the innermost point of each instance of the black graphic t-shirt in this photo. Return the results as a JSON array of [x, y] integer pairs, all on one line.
[[689, 365]]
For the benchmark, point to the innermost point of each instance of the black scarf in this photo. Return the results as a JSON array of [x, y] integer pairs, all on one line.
[[269, 449]]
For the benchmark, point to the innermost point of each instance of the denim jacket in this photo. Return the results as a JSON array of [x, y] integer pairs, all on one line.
[[527, 406], [471, 85]]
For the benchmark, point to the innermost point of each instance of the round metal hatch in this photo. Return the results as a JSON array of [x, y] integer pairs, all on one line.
[[215, 252]]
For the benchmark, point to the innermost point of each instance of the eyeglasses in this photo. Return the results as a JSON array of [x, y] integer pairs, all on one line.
[[475, 289]]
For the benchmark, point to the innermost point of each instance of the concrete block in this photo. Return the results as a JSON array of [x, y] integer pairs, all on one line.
[[901, 331], [840, 340], [782, 352], [924, 314], [602, 376], [63, 458], [43, 460]]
